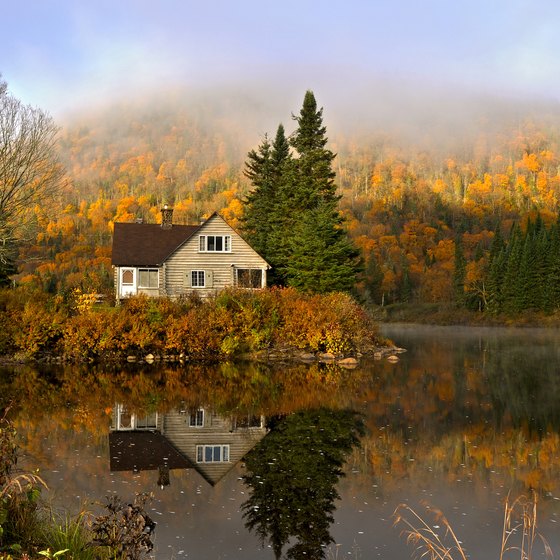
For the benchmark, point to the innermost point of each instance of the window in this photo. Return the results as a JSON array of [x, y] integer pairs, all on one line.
[[127, 277], [197, 279], [196, 419], [128, 421], [248, 278], [148, 278], [251, 421], [212, 453], [215, 243], [147, 422]]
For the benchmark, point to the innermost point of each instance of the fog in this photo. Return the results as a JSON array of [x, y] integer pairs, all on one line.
[[433, 117]]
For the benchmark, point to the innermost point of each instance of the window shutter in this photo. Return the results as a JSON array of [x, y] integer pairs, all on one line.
[[187, 279], [209, 279]]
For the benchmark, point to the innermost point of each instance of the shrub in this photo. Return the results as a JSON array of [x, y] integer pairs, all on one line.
[[126, 530]]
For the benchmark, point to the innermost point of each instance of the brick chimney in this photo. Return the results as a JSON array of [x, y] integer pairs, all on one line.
[[166, 217]]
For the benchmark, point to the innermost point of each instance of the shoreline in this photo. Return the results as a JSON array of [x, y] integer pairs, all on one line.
[[449, 315]]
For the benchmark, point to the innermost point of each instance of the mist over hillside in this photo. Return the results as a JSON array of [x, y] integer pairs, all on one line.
[[409, 115]]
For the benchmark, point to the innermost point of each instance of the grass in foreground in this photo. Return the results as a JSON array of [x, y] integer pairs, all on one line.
[[519, 533]]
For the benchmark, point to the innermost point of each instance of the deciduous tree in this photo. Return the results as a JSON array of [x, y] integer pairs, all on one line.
[[30, 171]]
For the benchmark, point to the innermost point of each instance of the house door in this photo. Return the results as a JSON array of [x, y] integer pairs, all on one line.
[[128, 282]]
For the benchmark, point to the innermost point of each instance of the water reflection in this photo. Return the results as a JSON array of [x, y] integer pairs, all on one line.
[[463, 418], [292, 477], [199, 439]]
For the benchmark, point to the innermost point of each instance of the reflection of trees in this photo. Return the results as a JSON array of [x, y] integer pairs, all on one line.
[[525, 388], [292, 475], [81, 397]]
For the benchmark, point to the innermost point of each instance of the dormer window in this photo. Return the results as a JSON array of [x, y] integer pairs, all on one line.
[[214, 244]]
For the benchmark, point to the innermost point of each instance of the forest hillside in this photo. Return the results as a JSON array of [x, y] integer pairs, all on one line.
[[440, 215]]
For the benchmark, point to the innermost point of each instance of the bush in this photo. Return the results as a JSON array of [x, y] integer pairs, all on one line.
[[232, 322]]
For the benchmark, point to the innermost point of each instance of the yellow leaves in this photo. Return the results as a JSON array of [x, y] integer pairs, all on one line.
[[444, 250], [439, 186], [233, 212], [528, 162]]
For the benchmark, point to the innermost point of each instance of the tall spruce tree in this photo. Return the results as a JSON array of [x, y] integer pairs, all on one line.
[[296, 204], [259, 202], [314, 173], [268, 168], [459, 271], [322, 259]]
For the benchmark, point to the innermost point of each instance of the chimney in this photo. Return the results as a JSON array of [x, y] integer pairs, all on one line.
[[166, 217]]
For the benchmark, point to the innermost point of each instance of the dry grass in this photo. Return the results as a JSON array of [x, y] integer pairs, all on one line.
[[519, 533]]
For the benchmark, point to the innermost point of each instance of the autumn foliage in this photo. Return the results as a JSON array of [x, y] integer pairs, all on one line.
[[223, 327]]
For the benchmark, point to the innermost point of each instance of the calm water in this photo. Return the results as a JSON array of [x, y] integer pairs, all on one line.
[[464, 418]]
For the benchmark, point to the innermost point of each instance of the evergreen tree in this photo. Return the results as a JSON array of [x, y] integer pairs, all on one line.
[[294, 205], [292, 476], [459, 272], [314, 174], [551, 289], [266, 167], [260, 202], [495, 274], [322, 259], [406, 284], [512, 285]]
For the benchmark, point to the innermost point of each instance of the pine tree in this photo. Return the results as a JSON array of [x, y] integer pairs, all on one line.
[[459, 272], [294, 204], [314, 174], [269, 169], [322, 258], [512, 285], [259, 202]]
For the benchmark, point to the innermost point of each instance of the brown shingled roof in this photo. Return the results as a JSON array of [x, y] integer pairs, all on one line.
[[147, 244], [143, 451]]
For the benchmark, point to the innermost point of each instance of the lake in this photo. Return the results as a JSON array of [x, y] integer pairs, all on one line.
[[464, 418]]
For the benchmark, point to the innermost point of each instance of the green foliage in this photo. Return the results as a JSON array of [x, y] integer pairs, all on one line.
[[68, 536], [291, 216], [459, 271], [523, 271], [19, 494]]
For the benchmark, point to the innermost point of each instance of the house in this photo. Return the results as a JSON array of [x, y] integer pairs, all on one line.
[[202, 440], [171, 260]]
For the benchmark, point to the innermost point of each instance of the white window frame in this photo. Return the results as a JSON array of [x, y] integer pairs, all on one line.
[[196, 276], [135, 420], [216, 453], [148, 270], [196, 418], [128, 289], [207, 244]]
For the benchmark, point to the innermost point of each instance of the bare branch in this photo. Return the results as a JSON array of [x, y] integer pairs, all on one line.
[[30, 170]]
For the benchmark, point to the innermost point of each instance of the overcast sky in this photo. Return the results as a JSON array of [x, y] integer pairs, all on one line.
[[63, 54]]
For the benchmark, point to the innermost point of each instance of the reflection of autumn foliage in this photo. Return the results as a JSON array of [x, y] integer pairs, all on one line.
[[80, 398], [459, 422]]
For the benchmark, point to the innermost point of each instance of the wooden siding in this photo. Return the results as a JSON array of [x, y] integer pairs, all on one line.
[[216, 430], [220, 264]]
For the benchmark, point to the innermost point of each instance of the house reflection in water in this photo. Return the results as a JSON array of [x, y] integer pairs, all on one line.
[[181, 439]]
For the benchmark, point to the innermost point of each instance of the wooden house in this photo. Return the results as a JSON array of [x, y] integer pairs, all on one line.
[[169, 260], [210, 443]]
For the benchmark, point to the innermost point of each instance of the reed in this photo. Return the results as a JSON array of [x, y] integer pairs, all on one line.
[[519, 532]]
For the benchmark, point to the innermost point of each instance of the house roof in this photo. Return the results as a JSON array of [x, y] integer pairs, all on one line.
[[142, 451], [147, 244]]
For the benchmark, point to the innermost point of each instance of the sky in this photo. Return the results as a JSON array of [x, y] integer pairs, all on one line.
[[67, 55]]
